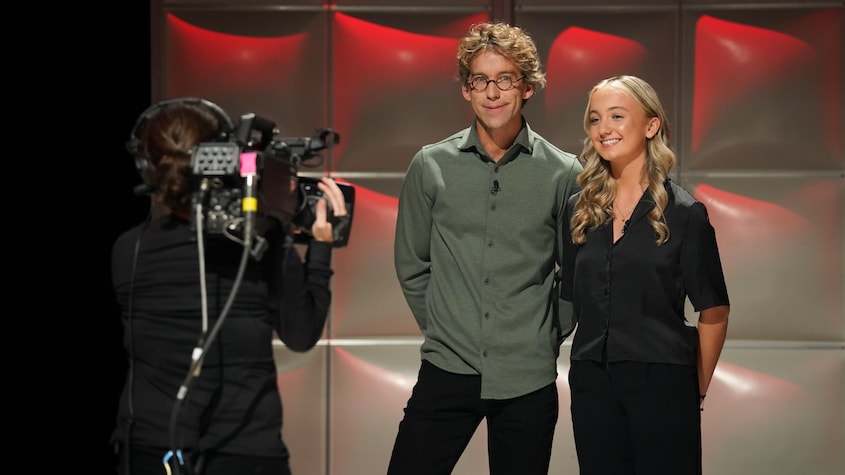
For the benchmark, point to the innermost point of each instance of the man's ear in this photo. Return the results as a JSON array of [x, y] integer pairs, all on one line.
[[466, 92], [530, 89]]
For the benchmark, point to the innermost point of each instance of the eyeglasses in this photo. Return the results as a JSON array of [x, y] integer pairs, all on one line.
[[504, 83]]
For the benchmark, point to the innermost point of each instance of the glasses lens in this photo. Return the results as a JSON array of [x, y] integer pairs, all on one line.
[[504, 83], [478, 84]]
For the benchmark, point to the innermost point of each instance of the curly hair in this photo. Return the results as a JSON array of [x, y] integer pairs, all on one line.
[[594, 206], [512, 42], [168, 140]]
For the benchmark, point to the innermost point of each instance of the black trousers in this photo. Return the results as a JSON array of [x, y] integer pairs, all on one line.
[[443, 413], [634, 418], [150, 461]]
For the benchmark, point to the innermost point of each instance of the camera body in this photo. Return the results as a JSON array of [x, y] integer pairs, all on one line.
[[220, 172], [307, 196]]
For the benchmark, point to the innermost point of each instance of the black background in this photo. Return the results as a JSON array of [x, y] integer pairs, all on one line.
[[93, 81]]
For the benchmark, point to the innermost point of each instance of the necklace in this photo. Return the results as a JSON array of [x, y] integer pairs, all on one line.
[[626, 217]]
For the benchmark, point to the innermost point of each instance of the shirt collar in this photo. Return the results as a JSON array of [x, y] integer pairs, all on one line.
[[524, 140]]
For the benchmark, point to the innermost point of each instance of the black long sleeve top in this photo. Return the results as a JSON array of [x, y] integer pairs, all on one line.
[[234, 404]]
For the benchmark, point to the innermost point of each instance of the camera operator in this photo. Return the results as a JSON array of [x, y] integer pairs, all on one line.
[[170, 293]]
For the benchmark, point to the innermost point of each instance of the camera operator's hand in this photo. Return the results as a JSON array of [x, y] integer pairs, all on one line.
[[322, 228]]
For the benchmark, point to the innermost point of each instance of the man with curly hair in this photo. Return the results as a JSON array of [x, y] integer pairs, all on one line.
[[479, 215]]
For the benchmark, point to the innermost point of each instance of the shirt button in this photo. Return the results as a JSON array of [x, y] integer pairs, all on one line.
[[484, 353], [487, 315], [486, 280], [493, 207], [489, 243]]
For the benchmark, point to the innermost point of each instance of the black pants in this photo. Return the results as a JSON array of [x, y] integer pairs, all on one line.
[[149, 461], [444, 412], [636, 418]]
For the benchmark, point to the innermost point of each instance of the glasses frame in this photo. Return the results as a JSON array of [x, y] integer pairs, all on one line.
[[487, 82]]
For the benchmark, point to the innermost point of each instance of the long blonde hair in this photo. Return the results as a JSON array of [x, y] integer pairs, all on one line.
[[594, 206]]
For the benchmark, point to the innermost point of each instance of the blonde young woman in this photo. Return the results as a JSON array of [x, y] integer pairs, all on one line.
[[640, 369]]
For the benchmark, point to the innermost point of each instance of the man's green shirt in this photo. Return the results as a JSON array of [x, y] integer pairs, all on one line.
[[475, 254]]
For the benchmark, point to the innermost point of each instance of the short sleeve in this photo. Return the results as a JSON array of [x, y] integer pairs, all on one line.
[[701, 265]]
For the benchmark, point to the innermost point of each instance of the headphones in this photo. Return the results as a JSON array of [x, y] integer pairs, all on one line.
[[136, 148]]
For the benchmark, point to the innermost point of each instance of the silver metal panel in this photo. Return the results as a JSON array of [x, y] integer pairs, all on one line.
[[304, 389]]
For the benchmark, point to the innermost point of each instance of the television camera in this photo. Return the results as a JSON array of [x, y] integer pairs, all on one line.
[[221, 170]]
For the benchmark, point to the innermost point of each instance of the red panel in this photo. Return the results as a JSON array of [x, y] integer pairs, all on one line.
[[786, 258], [823, 30], [579, 58], [202, 59], [387, 85], [249, 74], [735, 61], [750, 230]]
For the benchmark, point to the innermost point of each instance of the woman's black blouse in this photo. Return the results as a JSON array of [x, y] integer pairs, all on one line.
[[629, 296]]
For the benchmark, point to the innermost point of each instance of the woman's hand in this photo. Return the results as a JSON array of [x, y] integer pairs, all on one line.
[[321, 229]]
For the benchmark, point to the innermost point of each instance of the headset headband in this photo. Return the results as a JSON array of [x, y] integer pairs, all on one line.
[[133, 145]]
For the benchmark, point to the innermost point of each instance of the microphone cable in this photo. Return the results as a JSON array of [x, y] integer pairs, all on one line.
[[130, 380], [249, 205]]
